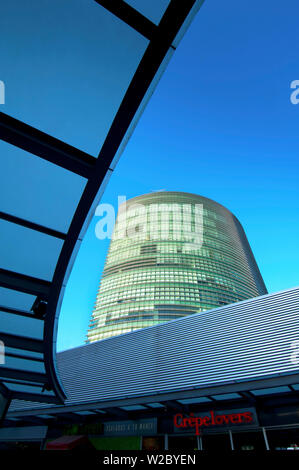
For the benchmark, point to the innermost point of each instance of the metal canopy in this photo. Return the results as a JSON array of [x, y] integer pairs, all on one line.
[[241, 351], [219, 397], [51, 177]]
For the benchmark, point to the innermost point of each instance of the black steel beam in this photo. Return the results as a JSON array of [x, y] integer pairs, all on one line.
[[43, 145], [130, 16], [37, 377], [32, 225], [22, 342], [23, 283]]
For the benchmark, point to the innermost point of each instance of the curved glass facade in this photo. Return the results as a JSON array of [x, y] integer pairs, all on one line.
[[172, 254]]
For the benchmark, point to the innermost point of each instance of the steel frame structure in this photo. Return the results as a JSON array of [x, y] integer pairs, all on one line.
[[96, 170]]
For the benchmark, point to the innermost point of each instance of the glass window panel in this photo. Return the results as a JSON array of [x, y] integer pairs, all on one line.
[[14, 299], [190, 401], [3, 404], [270, 391], [28, 252], [22, 326], [26, 388], [153, 10], [95, 53], [24, 364], [45, 416], [283, 439], [226, 396], [221, 442], [155, 405], [132, 407], [33, 189], [182, 443], [30, 354]]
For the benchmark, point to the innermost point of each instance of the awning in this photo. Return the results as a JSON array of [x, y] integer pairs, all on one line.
[[59, 144], [67, 443]]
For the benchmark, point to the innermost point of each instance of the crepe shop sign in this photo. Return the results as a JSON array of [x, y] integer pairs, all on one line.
[[211, 420]]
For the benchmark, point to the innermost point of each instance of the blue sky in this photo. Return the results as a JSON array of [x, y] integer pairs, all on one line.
[[220, 124]]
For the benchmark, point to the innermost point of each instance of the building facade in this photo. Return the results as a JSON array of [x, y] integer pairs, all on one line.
[[172, 254]]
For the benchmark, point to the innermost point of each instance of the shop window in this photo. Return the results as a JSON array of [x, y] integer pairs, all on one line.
[[212, 442], [283, 439], [182, 443], [249, 441]]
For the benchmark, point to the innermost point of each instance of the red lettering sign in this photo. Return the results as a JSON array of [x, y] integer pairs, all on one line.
[[213, 419]]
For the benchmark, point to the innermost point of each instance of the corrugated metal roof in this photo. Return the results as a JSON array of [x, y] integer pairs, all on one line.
[[240, 342]]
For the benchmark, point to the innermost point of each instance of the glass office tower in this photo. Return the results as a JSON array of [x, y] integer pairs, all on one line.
[[172, 254]]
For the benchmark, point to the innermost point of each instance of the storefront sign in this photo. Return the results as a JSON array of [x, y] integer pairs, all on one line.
[[214, 419], [144, 427], [83, 428]]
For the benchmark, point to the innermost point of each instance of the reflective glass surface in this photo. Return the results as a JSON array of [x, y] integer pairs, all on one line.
[[67, 65], [22, 326], [226, 396], [36, 190], [171, 255], [24, 364], [270, 391], [15, 299], [27, 251], [153, 10], [29, 354]]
